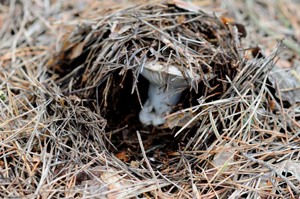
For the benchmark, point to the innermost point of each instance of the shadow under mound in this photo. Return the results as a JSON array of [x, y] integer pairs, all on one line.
[[114, 100], [120, 107]]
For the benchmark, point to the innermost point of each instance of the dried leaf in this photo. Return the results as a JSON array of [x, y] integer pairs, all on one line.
[[36, 158], [187, 5], [77, 50], [124, 29], [115, 183], [224, 157], [122, 156], [114, 31], [226, 20], [65, 45], [180, 19], [75, 98], [106, 183], [257, 52], [290, 166], [178, 120], [241, 29], [62, 101], [288, 84], [134, 164], [272, 104]]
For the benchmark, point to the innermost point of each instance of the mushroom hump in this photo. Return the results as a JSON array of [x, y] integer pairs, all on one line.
[[165, 85]]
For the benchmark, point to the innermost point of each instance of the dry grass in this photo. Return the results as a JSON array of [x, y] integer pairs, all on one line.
[[57, 139]]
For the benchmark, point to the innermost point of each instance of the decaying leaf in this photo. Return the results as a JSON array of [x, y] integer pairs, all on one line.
[[122, 156], [75, 98], [180, 19], [288, 84], [257, 52], [241, 28], [187, 5], [179, 120], [290, 166], [59, 135], [77, 50], [287, 166], [225, 156], [36, 158], [104, 183], [226, 20]]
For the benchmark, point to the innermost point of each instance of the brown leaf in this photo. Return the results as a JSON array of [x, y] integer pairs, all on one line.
[[241, 29], [180, 19], [62, 101], [257, 52], [134, 164], [65, 45], [77, 50], [178, 120], [226, 20], [122, 156], [75, 98], [272, 105], [223, 156]]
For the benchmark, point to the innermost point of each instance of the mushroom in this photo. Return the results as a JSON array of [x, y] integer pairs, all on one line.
[[165, 84]]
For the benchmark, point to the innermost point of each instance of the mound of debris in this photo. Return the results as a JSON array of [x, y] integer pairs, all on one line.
[[152, 100]]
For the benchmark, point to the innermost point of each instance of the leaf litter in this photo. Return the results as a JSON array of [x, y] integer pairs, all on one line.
[[69, 125]]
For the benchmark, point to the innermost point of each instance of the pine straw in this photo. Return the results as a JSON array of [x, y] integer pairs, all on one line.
[[53, 146]]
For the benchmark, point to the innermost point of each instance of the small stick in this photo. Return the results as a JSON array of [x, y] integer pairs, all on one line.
[[146, 160]]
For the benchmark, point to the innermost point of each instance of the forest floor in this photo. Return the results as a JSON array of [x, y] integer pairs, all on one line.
[[56, 143]]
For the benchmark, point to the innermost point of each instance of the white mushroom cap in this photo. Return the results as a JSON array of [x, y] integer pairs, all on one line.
[[159, 98], [158, 74]]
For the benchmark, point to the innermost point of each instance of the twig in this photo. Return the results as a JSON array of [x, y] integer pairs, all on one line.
[[146, 159]]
